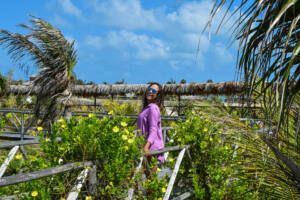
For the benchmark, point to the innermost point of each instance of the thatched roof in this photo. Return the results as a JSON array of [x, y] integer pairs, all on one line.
[[222, 88]]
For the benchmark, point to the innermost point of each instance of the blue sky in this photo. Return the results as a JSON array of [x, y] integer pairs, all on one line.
[[135, 40]]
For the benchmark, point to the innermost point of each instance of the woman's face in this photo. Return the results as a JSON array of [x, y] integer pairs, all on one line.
[[151, 94]]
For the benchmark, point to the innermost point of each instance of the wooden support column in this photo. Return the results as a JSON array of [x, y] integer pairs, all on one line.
[[92, 186]]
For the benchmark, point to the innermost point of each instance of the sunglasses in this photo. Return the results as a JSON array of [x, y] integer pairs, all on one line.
[[153, 90]]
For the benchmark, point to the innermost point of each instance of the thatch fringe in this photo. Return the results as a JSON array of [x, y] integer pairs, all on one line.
[[199, 89]]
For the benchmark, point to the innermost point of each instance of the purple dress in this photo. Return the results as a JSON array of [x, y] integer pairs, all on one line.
[[149, 122]]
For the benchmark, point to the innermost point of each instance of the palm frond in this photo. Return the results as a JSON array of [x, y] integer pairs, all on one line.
[[51, 53]]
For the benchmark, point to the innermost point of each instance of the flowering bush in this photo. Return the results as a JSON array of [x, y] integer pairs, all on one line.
[[212, 170]]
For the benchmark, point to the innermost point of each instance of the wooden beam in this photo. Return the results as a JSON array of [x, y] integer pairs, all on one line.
[[10, 156], [14, 197], [131, 190], [174, 174], [92, 187], [15, 143], [21, 178], [167, 149], [12, 136], [78, 185], [184, 196]]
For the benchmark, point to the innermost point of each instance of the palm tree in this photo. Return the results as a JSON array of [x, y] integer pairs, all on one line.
[[52, 54], [268, 32]]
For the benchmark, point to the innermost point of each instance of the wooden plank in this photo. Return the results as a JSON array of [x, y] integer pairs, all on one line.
[[15, 143], [174, 174], [10, 156], [14, 123], [16, 118], [131, 190], [12, 136], [92, 187], [23, 152], [167, 149], [78, 185], [21, 178], [14, 197], [183, 196]]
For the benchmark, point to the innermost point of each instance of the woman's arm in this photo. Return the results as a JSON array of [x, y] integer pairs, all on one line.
[[146, 148]]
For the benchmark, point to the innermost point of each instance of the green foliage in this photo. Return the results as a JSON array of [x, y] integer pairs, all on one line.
[[3, 82], [1, 124], [124, 108], [214, 160], [108, 142]]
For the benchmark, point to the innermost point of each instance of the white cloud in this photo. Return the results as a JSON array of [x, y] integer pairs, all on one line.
[[126, 14], [94, 41], [59, 21], [69, 8], [223, 53], [174, 64], [191, 16], [142, 46]]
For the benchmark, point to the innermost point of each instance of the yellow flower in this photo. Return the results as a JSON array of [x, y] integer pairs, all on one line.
[[140, 192], [205, 129], [126, 148], [47, 139], [124, 124], [116, 129], [111, 112], [91, 115], [159, 198], [173, 124], [88, 198], [62, 198], [33, 158], [61, 120], [39, 128], [126, 131], [63, 126], [34, 193], [179, 139], [124, 137], [210, 139], [111, 183], [19, 156], [33, 133], [158, 169], [171, 159], [163, 190], [130, 141]]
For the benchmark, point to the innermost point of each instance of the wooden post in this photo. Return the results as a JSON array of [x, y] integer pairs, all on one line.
[[131, 190], [174, 174], [22, 126], [95, 101], [92, 187], [79, 181], [179, 105], [11, 155]]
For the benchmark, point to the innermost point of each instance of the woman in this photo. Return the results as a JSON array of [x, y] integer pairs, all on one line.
[[149, 120]]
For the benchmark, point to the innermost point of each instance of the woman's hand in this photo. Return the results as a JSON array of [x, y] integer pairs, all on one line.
[[146, 149]]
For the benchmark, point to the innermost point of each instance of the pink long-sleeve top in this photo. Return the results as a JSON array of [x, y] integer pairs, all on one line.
[[149, 123]]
